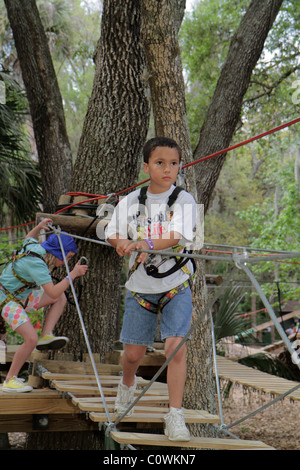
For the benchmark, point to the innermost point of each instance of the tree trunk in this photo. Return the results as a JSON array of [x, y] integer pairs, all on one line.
[[225, 108], [161, 22], [108, 161], [44, 99], [160, 26]]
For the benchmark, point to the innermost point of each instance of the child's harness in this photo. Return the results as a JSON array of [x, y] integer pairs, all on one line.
[[12, 296], [152, 270]]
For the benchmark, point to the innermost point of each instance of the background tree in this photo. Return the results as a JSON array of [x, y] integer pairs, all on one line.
[[44, 99], [108, 160], [20, 190]]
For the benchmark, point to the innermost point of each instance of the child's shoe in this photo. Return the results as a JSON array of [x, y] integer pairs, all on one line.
[[175, 428], [51, 342], [16, 385], [125, 397]]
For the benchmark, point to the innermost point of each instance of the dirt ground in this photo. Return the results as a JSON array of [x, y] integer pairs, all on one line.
[[277, 425]]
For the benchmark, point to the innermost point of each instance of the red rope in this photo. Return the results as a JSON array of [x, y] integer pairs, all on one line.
[[240, 144], [96, 197]]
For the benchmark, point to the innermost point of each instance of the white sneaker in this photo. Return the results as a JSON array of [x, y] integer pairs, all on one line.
[[16, 385], [175, 428], [125, 397]]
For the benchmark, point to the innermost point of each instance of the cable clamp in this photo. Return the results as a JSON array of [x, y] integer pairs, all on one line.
[[240, 259]]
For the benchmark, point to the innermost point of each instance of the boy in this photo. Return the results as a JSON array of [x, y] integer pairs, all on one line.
[[152, 224]]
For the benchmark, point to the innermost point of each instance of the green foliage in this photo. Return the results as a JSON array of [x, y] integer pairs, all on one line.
[[226, 323], [20, 190]]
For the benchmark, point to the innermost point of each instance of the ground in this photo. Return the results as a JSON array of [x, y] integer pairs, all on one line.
[[277, 425]]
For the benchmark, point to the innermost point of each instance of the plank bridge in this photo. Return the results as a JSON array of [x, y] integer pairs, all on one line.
[[66, 398]]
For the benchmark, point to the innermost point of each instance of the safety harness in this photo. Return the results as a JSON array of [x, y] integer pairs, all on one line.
[[152, 270], [12, 296]]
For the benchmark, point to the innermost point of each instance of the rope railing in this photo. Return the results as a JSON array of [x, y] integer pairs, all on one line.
[[240, 260]]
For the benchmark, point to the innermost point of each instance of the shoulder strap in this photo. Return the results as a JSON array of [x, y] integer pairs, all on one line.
[[174, 195], [172, 198], [142, 199]]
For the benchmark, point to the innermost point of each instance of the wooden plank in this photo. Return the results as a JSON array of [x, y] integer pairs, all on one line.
[[151, 358], [107, 391], [195, 442], [85, 368], [35, 402], [255, 379], [74, 224], [96, 403], [191, 416]]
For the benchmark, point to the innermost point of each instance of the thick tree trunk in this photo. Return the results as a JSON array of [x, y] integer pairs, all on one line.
[[108, 161], [225, 108], [160, 26], [44, 99], [161, 22]]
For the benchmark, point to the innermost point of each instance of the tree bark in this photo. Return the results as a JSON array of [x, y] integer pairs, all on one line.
[[225, 108], [44, 99], [109, 158], [161, 22]]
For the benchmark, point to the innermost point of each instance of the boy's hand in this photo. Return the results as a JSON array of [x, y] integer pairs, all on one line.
[[123, 247], [140, 245]]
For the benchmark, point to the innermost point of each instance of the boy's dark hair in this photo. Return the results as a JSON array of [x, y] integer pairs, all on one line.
[[159, 142]]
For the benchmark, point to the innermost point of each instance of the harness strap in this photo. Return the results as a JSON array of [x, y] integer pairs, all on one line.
[[180, 263], [164, 300], [12, 296]]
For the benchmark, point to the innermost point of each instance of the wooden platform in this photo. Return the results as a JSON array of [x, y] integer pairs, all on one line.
[[231, 371], [195, 442], [148, 412], [73, 396], [237, 373]]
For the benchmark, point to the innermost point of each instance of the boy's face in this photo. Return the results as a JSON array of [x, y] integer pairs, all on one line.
[[162, 167]]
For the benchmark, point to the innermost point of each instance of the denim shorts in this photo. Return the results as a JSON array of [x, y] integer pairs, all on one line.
[[139, 324]]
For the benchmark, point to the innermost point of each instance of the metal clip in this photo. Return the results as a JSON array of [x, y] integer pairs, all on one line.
[[83, 258], [240, 258]]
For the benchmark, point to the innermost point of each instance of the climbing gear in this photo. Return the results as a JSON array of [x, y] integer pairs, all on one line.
[[13, 296], [165, 298], [152, 270], [16, 384]]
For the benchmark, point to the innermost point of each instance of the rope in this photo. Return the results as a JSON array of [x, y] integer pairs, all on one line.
[[187, 165], [96, 197], [240, 261], [58, 233]]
